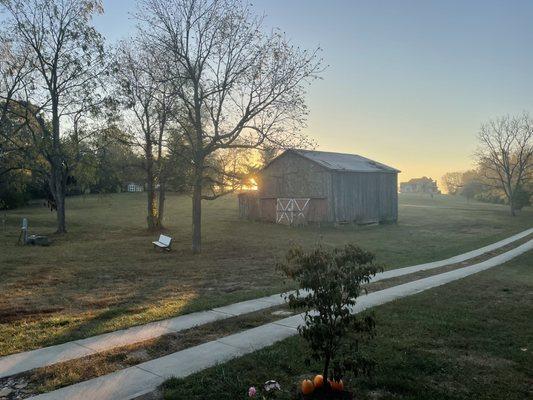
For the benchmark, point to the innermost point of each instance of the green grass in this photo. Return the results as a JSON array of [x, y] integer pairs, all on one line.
[[469, 339], [104, 274]]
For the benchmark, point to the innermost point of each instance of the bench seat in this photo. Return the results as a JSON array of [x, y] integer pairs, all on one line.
[[163, 242]]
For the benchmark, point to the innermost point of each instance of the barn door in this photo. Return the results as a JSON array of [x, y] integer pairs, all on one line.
[[290, 211]]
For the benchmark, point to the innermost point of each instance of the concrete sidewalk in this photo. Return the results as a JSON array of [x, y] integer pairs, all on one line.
[[146, 377], [21, 362]]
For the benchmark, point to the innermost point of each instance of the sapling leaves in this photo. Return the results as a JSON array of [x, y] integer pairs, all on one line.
[[329, 282]]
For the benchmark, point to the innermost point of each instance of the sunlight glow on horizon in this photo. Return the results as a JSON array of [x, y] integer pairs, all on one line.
[[409, 83]]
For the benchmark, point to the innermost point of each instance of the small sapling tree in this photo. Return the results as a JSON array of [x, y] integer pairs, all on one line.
[[329, 282]]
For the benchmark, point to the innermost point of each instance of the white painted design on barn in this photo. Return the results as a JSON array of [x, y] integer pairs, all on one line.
[[291, 210]]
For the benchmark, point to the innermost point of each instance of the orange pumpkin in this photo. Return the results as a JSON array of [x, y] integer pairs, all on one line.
[[307, 386], [337, 386], [318, 381]]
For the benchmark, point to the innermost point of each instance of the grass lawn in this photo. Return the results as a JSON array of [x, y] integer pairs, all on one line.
[[104, 275], [469, 339]]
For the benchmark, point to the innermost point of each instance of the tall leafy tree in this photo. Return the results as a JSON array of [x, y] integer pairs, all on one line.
[[237, 84], [147, 103], [60, 60], [15, 65], [505, 156], [116, 161]]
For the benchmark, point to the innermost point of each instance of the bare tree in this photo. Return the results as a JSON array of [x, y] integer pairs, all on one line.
[[66, 56], [268, 153], [14, 66], [452, 182], [238, 85], [148, 100], [505, 154]]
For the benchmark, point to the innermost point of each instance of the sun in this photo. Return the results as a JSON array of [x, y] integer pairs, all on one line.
[[250, 184]]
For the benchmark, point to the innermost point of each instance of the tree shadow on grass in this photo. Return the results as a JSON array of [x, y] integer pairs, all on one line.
[[133, 310]]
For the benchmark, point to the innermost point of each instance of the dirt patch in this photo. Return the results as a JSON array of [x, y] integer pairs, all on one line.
[[18, 314]]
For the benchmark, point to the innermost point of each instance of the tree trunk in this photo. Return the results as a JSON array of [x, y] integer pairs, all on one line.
[[161, 207], [151, 206], [197, 210], [151, 211], [326, 369], [58, 184], [510, 197], [512, 209], [57, 189], [161, 176], [61, 221]]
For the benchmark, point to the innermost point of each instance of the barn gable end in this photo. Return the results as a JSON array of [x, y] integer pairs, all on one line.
[[291, 175]]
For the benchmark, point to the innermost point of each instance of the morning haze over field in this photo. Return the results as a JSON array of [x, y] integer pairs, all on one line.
[[408, 82]]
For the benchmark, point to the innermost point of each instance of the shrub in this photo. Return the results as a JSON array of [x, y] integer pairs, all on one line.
[[490, 196], [329, 282], [521, 198]]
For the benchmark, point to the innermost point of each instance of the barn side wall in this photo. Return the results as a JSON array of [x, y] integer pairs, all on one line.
[[364, 197], [249, 205]]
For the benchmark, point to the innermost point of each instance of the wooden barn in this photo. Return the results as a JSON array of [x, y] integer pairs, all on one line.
[[301, 186]]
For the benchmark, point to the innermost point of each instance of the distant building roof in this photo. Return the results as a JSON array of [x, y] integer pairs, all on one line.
[[424, 179], [344, 162]]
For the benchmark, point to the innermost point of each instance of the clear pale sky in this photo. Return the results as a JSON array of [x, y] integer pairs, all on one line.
[[409, 82]]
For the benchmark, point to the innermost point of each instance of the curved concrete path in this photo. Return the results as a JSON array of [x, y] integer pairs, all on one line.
[[21, 362], [146, 377], [452, 260]]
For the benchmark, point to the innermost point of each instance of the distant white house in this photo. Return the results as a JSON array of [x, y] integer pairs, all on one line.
[[420, 185], [134, 187]]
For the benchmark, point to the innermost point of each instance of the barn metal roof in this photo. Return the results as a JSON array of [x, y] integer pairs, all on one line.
[[344, 162]]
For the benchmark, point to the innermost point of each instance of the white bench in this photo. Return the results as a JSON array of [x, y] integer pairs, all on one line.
[[163, 242]]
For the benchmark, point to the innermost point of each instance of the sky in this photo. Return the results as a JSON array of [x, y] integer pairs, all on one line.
[[408, 83]]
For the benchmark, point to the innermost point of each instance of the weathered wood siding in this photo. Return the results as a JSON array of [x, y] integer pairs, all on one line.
[[317, 210], [248, 205], [267, 209], [293, 176], [360, 197], [365, 197]]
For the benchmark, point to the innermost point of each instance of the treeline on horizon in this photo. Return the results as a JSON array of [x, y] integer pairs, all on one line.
[[473, 185], [198, 97], [107, 163]]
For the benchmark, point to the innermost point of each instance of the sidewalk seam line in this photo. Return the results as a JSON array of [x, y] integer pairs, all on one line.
[[145, 370], [285, 326], [86, 347], [230, 345], [226, 313]]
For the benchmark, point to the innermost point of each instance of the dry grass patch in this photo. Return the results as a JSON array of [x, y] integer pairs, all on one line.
[[104, 275], [53, 377]]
